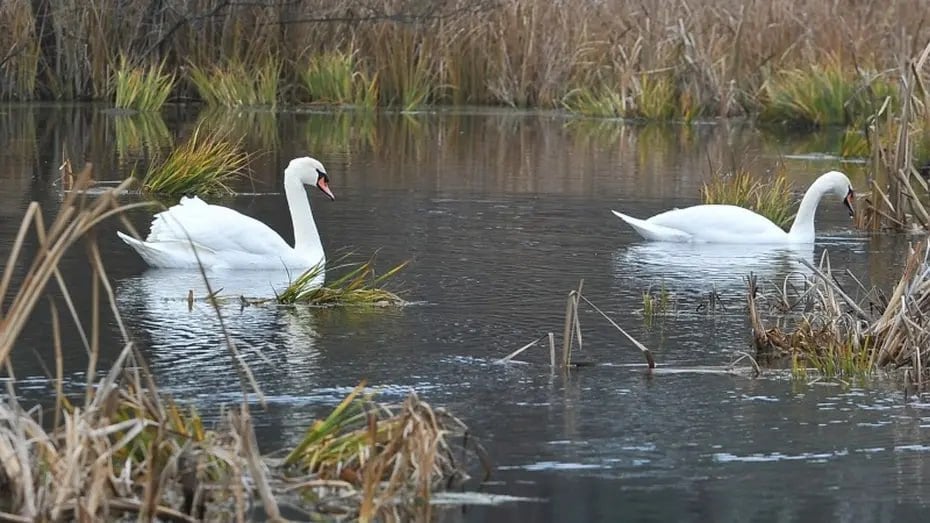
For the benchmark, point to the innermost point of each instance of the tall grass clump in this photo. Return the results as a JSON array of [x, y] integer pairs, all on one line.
[[773, 199], [360, 285], [143, 89], [238, 83], [600, 101], [824, 95], [334, 78], [205, 163]]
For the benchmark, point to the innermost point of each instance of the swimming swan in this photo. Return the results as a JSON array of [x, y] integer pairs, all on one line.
[[225, 239], [732, 224]]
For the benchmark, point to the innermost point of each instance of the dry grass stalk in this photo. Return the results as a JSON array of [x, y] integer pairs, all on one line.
[[839, 335]]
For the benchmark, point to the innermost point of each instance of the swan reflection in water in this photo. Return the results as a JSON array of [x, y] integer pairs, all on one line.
[[704, 267], [184, 343]]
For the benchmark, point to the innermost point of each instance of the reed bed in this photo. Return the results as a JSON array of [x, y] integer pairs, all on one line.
[[649, 59], [772, 198], [122, 448], [841, 336], [206, 163], [237, 83]]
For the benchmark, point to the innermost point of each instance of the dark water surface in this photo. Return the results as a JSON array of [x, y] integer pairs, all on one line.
[[501, 214]]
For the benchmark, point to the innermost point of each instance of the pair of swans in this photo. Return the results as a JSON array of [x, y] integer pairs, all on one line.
[[731, 224], [194, 233]]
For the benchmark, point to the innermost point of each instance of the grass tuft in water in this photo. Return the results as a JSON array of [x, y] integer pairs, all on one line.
[[600, 101], [144, 89], [238, 83], [773, 199], [656, 304], [334, 78], [358, 286], [204, 164]]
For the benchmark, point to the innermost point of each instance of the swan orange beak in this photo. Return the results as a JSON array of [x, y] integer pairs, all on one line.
[[323, 185], [848, 202]]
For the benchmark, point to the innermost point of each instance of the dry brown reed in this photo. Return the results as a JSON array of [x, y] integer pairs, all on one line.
[[843, 336], [897, 197], [572, 334], [701, 58]]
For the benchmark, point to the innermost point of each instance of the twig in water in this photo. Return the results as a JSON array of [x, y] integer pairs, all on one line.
[[513, 354], [646, 352]]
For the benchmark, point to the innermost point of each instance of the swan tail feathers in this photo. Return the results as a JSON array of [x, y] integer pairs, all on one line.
[[168, 254], [652, 231]]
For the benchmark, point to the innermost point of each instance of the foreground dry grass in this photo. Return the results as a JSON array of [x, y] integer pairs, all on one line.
[[651, 58], [125, 447]]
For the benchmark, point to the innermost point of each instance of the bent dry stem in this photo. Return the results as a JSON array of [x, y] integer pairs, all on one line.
[[841, 337]]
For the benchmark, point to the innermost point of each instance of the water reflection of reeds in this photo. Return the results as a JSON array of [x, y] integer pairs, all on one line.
[[257, 131], [140, 136]]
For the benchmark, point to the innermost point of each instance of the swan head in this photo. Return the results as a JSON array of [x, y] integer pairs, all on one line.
[[310, 172], [840, 185]]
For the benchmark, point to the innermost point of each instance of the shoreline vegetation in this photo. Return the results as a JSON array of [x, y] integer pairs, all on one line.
[[804, 63]]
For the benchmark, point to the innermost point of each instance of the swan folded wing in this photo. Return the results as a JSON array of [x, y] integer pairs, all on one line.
[[215, 228], [720, 223]]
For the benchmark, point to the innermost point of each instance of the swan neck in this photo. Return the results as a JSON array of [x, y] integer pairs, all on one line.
[[803, 227], [306, 236]]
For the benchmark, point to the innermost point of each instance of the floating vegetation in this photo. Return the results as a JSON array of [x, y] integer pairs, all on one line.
[[204, 164], [358, 286], [238, 83], [121, 447], [143, 89], [773, 199]]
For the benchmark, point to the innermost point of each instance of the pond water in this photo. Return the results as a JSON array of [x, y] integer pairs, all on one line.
[[501, 214]]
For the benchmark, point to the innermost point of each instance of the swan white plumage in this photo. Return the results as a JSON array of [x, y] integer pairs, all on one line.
[[713, 223], [226, 239]]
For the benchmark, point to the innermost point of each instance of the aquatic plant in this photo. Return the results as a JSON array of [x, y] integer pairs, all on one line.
[[840, 336], [238, 83], [334, 78], [143, 89], [599, 100], [773, 198], [656, 304], [823, 95], [358, 286], [204, 164]]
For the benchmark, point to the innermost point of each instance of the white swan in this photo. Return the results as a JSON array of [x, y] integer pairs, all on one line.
[[732, 224], [226, 239]]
